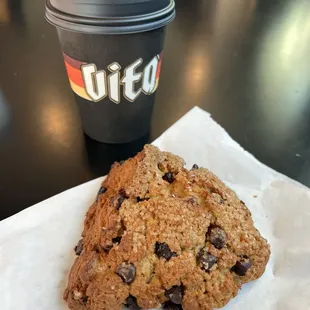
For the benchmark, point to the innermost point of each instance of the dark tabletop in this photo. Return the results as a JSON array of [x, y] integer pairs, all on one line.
[[247, 62]]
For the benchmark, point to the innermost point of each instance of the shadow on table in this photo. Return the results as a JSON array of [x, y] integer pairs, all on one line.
[[101, 156]]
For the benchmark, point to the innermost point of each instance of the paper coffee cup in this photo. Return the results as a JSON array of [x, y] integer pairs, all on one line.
[[113, 54]]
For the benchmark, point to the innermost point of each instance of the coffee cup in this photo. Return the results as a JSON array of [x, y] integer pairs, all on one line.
[[113, 52]]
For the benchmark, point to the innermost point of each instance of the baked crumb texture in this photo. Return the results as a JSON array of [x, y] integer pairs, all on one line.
[[159, 235]]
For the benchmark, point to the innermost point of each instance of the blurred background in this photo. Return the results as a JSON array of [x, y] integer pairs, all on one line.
[[244, 61]]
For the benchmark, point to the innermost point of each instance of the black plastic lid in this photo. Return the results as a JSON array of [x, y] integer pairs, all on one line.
[[110, 16]]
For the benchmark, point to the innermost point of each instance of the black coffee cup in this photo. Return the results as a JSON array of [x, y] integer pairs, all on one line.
[[113, 53]]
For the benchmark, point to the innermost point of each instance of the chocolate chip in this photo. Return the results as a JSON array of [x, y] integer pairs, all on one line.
[[205, 259], [168, 177], [121, 162], [131, 303], [107, 248], [101, 191], [127, 272], [117, 239], [242, 202], [171, 306], [84, 300], [79, 248], [142, 199], [117, 201], [175, 294], [217, 237], [195, 167], [163, 250], [222, 201], [242, 266]]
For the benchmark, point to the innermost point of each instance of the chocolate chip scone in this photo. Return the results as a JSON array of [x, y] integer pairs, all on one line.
[[159, 235]]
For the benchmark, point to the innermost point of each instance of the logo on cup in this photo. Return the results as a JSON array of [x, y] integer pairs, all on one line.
[[95, 85]]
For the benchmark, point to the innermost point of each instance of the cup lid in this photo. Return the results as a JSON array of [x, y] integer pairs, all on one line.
[[110, 16]]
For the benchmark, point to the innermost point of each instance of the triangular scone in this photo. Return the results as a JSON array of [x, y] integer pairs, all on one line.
[[159, 235]]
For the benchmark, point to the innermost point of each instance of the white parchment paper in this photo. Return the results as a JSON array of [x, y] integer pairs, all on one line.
[[36, 244]]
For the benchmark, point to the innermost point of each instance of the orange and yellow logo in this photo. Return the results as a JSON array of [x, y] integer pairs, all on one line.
[[93, 85]]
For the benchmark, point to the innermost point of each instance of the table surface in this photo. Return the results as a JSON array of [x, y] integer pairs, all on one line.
[[245, 61]]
